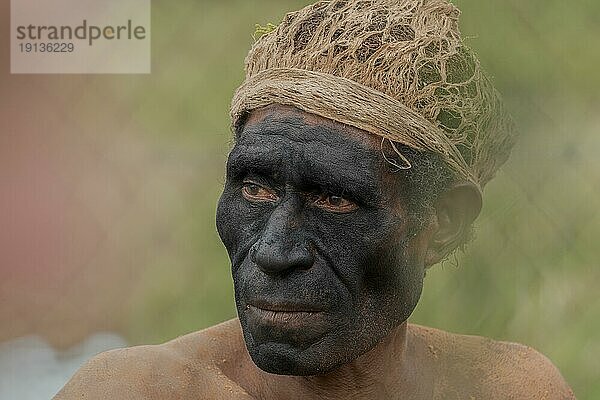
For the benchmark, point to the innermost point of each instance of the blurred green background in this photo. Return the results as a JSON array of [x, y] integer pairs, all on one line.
[[147, 163]]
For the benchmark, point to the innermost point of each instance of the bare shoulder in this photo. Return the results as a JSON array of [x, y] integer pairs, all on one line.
[[186, 367], [481, 367]]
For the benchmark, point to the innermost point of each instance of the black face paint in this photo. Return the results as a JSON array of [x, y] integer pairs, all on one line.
[[315, 289]]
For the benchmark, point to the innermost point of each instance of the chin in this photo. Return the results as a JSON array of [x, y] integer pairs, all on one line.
[[300, 349], [284, 359], [285, 342]]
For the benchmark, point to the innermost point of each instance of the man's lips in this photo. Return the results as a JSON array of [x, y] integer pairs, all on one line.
[[284, 307], [283, 315], [283, 319]]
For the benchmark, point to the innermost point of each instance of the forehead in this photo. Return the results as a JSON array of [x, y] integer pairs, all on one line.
[[308, 139], [301, 122], [307, 151], [289, 145]]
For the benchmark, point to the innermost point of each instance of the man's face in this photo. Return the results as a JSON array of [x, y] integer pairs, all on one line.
[[324, 260]]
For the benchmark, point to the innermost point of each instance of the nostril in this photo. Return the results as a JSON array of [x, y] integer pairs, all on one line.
[[302, 257], [275, 260]]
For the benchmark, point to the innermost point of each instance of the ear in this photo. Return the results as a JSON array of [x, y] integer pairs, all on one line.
[[456, 209]]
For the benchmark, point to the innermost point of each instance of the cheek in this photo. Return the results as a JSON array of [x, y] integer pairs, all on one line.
[[356, 244], [396, 281], [225, 229], [237, 224], [392, 278]]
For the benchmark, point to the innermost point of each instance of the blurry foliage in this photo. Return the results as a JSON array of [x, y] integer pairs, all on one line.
[[263, 30], [531, 274]]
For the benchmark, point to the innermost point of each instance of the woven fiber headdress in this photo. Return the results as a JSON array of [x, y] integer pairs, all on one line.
[[395, 68]]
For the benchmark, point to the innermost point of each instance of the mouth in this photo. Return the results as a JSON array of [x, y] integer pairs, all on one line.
[[288, 315], [284, 307]]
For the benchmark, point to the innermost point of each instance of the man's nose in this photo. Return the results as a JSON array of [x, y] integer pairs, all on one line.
[[282, 247]]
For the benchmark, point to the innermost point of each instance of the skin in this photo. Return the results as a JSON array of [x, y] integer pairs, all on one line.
[[309, 298], [327, 264]]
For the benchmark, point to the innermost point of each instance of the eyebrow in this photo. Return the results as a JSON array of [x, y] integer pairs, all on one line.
[[340, 174], [360, 185], [244, 159]]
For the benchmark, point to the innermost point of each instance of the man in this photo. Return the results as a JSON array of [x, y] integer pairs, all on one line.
[[365, 132]]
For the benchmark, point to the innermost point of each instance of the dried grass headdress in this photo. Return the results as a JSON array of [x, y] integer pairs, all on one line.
[[395, 68]]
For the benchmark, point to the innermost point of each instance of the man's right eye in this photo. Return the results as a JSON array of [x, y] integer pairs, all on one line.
[[255, 192]]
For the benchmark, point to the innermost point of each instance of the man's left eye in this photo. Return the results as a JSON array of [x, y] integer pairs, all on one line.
[[335, 204]]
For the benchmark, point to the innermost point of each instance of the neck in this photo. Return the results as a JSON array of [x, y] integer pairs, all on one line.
[[375, 374]]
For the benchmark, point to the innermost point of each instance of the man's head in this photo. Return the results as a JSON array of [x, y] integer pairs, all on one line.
[[365, 131], [328, 240]]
